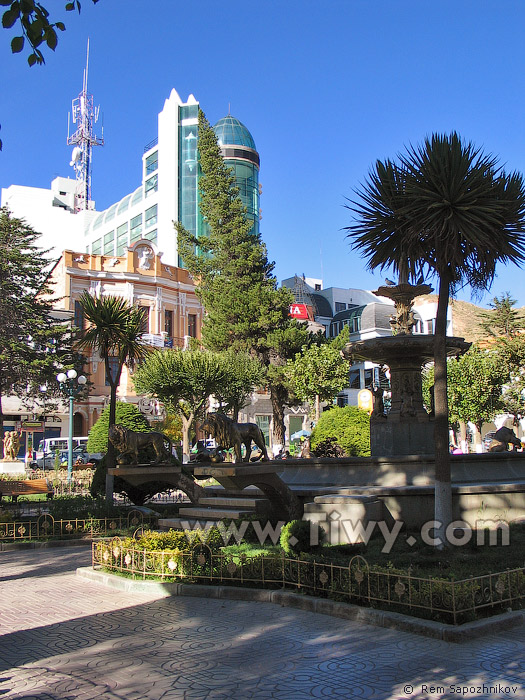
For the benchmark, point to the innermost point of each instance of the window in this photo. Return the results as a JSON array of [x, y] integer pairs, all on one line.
[[137, 196], [135, 231], [79, 318], [111, 213], [168, 323], [354, 379], [192, 325], [124, 204], [340, 306], [151, 236], [342, 400], [264, 424], [317, 287], [431, 326], [109, 243], [97, 246], [151, 216], [144, 324], [355, 324], [122, 238], [113, 369], [151, 163], [369, 378], [151, 185]]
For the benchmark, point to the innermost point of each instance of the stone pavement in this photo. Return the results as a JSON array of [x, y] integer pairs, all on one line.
[[64, 638]]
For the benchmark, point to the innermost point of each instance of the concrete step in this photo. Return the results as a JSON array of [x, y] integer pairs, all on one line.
[[214, 513], [230, 501], [184, 523]]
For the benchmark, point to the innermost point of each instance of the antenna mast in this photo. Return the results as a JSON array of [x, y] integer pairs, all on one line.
[[85, 115]]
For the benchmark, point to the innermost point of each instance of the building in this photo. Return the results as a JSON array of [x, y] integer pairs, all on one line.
[[167, 192], [366, 315]]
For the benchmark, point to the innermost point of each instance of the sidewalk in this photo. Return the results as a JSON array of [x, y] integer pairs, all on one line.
[[64, 638]]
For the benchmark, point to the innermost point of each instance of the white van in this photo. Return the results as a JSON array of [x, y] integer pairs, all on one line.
[[49, 446]]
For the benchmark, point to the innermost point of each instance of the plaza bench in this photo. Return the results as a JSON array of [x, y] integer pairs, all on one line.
[[25, 488]]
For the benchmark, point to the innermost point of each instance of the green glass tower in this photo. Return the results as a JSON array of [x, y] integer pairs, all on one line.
[[239, 152]]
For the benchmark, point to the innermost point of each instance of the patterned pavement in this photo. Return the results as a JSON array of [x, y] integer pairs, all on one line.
[[64, 638]]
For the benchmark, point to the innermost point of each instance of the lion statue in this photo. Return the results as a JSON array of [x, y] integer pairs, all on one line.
[[502, 438], [128, 443], [228, 433]]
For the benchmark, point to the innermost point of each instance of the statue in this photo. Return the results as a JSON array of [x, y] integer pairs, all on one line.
[[11, 445], [379, 404], [228, 433], [502, 438], [128, 443]]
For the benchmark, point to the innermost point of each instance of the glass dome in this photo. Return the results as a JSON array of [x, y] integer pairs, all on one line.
[[231, 131]]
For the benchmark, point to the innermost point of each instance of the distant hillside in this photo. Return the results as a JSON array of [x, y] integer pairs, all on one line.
[[466, 318]]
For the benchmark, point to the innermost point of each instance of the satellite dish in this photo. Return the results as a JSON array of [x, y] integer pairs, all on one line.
[[76, 155]]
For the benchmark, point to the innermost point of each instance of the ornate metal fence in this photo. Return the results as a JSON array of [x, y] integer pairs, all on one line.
[[451, 601], [46, 527]]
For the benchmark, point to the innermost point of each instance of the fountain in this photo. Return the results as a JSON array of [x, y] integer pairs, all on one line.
[[408, 428]]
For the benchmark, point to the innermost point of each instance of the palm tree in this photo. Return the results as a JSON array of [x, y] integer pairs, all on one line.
[[446, 209], [115, 333]]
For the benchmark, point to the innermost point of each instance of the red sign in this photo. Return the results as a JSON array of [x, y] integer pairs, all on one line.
[[299, 311]]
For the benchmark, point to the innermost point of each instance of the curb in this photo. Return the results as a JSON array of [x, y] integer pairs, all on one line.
[[346, 611], [35, 544]]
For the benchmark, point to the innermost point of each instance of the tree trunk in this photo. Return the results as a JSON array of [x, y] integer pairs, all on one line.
[[463, 443], [443, 489], [186, 425], [278, 416], [2, 428], [113, 383], [317, 409]]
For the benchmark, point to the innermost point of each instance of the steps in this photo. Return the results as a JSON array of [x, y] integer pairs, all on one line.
[[214, 508]]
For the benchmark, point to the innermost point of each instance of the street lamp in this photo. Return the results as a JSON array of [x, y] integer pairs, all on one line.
[[43, 389], [71, 383]]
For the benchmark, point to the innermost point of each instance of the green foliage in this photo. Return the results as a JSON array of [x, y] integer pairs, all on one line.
[[127, 414], [300, 536], [65, 507], [176, 540], [32, 19], [503, 320], [243, 374], [32, 344], [349, 425], [318, 371]]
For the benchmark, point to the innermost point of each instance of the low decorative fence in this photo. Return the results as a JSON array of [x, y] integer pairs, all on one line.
[[449, 601], [46, 527]]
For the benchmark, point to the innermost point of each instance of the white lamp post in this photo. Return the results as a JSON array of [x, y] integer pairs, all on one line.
[[71, 383], [43, 389]]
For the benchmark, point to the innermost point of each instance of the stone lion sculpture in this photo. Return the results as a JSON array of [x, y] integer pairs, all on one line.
[[502, 438], [128, 443], [228, 433]]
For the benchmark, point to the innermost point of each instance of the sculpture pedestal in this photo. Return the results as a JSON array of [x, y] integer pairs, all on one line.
[[12, 467], [389, 438]]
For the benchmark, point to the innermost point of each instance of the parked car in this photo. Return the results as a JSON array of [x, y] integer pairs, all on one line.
[[80, 456]]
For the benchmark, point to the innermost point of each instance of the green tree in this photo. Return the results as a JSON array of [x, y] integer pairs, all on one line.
[[32, 343], [444, 208], [503, 320], [245, 311], [114, 332], [349, 425], [317, 374], [183, 380], [243, 374]]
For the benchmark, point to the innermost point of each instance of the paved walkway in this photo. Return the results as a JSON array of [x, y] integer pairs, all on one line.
[[64, 638]]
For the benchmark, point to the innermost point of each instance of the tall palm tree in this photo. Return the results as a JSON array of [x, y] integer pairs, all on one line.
[[446, 209], [115, 333]]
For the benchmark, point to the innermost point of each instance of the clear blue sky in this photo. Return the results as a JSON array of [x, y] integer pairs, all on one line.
[[325, 88]]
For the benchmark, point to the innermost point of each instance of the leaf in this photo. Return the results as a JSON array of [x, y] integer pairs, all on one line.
[[60, 25], [10, 17], [70, 6], [32, 59], [51, 39], [17, 44]]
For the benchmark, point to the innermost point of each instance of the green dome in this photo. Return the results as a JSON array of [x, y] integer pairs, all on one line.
[[231, 131]]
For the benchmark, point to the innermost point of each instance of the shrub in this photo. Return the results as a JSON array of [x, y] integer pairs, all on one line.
[[127, 414], [350, 426], [296, 536]]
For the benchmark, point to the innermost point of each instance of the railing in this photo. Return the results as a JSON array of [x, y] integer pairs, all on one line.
[[46, 527], [451, 601], [151, 144]]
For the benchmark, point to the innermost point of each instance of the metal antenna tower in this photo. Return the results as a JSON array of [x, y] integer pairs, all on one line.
[[85, 115]]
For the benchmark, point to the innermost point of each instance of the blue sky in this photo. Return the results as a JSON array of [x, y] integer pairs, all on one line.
[[325, 87]]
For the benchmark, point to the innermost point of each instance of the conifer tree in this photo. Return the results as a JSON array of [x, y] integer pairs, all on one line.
[[33, 346], [244, 308]]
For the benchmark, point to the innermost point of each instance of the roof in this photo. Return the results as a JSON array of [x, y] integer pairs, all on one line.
[[230, 131]]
